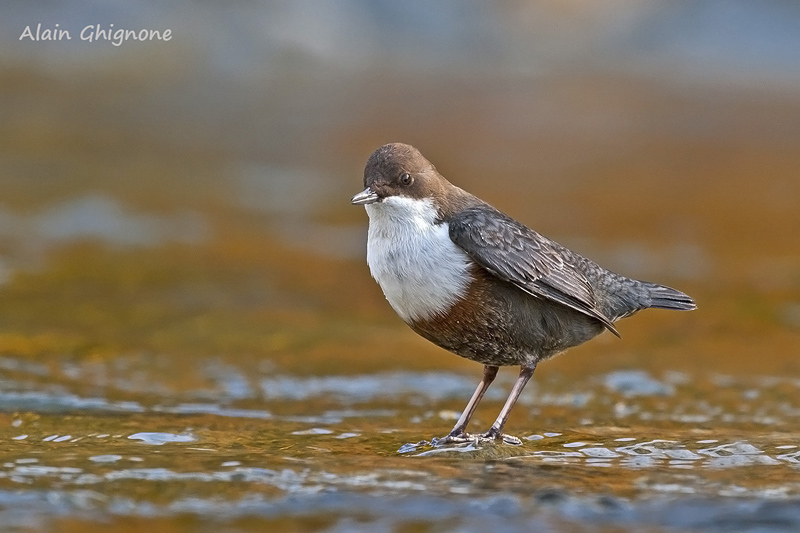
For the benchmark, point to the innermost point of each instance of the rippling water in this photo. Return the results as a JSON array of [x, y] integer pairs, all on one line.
[[650, 450]]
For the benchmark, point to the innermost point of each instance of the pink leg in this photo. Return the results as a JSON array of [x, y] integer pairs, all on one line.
[[458, 433], [496, 430]]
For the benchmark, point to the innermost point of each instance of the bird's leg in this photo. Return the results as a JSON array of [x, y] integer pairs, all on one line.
[[458, 434], [496, 431]]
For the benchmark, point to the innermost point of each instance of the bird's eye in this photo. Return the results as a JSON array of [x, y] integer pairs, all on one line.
[[405, 178]]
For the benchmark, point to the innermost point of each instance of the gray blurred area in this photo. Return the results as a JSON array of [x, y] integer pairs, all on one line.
[[285, 100]]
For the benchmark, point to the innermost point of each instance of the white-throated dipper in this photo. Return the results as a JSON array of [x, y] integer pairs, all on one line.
[[476, 282]]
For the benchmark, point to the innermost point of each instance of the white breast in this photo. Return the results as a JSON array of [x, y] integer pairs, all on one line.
[[421, 271]]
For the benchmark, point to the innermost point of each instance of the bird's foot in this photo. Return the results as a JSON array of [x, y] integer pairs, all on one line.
[[463, 438], [493, 435], [511, 439], [453, 437]]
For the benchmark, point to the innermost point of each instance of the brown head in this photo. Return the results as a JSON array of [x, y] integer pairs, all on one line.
[[400, 170]]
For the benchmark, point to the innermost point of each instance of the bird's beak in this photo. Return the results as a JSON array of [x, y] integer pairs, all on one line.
[[367, 196]]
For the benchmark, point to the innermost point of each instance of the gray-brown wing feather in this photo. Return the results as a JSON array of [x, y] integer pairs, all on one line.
[[515, 253]]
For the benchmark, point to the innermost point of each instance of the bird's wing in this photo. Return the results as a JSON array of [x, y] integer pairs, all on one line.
[[515, 253]]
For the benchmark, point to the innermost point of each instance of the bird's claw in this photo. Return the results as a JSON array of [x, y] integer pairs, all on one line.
[[493, 435], [511, 439], [453, 438], [463, 438]]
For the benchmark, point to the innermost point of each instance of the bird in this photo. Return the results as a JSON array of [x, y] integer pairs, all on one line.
[[476, 282]]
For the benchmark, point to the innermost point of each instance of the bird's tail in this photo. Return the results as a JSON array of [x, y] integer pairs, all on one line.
[[662, 297]]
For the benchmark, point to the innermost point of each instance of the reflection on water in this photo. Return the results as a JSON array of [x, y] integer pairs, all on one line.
[[101, 218], [636, 383], [535, 483], [97, 218], [431, 386], [157, 439], [656, 453], [296, 447], [214, 388]]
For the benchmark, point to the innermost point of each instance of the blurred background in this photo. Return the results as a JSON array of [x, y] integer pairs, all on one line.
[[191, 196], [175, 222]]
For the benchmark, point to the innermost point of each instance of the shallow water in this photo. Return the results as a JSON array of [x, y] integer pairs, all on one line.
[[621, 449], [190, 339]]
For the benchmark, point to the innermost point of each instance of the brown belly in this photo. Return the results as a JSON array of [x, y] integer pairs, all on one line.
[[498, 324]]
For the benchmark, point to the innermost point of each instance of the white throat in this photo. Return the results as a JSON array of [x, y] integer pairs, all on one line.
[[421, 271]]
